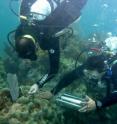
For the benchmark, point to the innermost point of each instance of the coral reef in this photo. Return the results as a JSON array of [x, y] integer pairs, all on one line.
[[2, 74], [34, 110], [28, 110]]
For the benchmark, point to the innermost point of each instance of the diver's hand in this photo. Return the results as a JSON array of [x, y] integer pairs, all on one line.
[[89, 105], [34, 88]]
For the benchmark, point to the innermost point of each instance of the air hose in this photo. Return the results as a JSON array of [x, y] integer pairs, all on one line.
[[12, 10], [8, 38]]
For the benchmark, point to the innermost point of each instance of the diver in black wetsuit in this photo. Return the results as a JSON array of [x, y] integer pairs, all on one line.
[[95, 68], [40, 21]]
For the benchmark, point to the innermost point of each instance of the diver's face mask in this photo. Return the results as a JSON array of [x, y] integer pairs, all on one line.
[[93, 75]]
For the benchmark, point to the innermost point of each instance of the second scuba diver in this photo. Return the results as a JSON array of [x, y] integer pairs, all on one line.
[[97, 68], [40, 21], [94, 69]]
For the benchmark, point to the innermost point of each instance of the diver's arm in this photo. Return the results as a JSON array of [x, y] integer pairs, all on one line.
[[68, 79], [54, 55], [107, 101], [90, 104]]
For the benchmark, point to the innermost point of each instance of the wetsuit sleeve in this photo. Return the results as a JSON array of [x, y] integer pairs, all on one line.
[[68, 79], [54, 57], [107, 101]]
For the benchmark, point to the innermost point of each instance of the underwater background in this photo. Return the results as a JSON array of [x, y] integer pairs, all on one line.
[[98, 17]]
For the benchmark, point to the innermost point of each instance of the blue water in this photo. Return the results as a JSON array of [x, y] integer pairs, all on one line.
[[100, 12], [8, 22], [97, 16]]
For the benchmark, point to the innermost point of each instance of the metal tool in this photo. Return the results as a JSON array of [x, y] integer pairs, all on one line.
[[70, 101]]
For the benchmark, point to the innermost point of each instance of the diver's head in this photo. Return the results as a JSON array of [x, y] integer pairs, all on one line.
[[94, 67], [96, 63], [25, 47]]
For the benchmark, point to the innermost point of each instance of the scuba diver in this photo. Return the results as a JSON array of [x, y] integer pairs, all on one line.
[[94, 69], [40, 21], [97, 68]]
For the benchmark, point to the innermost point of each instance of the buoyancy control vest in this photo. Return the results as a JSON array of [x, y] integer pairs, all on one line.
[[111, 74]]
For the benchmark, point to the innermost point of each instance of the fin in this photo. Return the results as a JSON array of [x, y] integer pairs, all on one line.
[[13, 86]]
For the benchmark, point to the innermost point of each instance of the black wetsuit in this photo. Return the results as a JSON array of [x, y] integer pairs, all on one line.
[[46, 42], [78, 73], [43, 31]]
